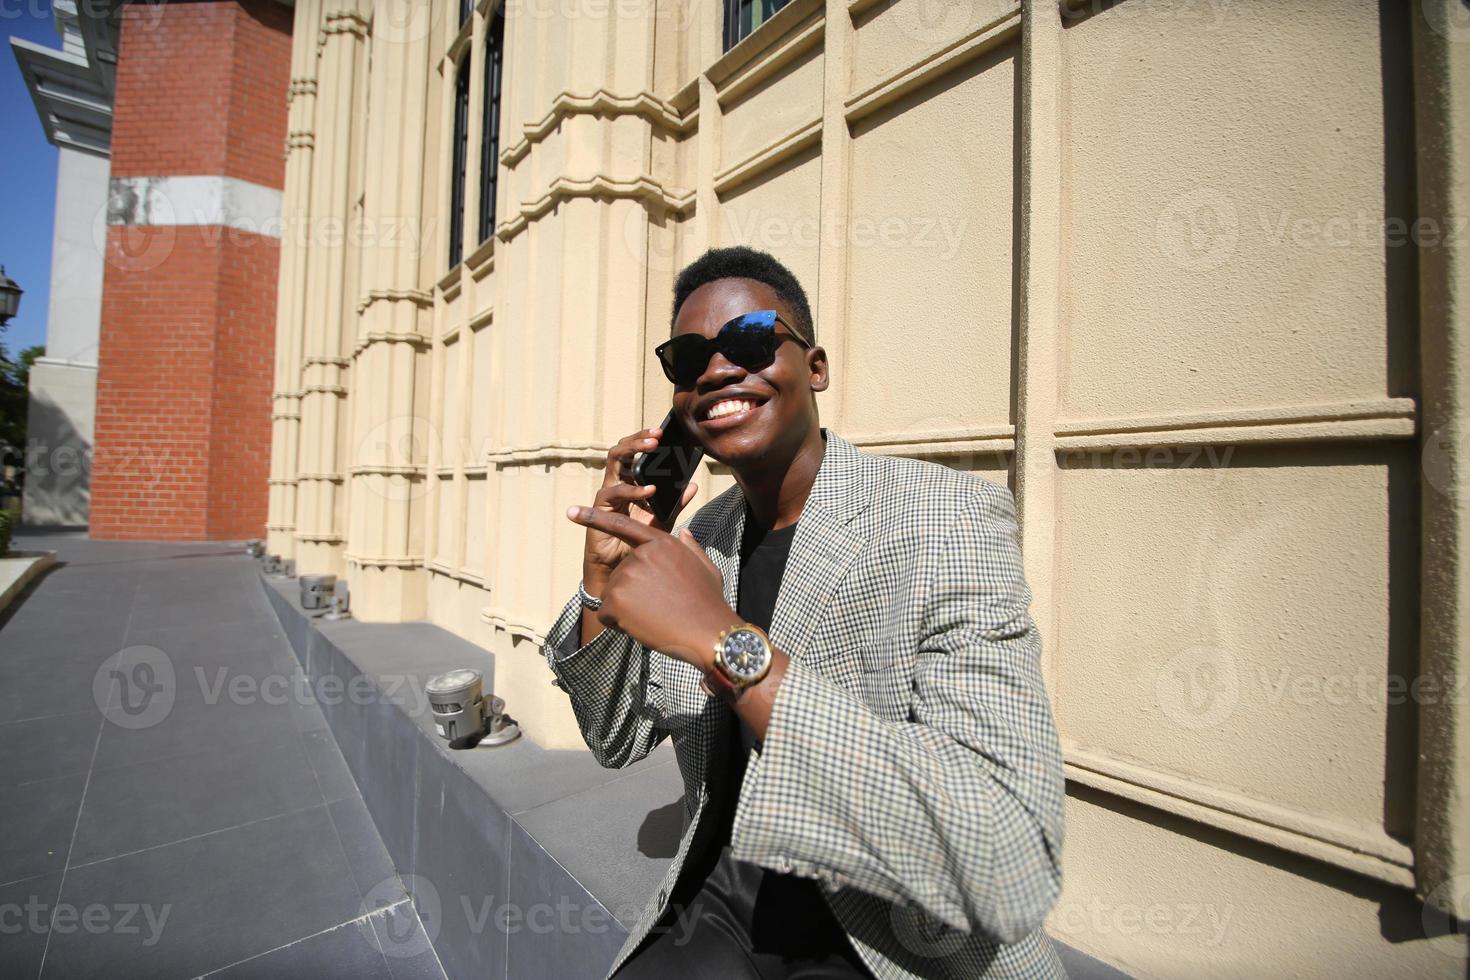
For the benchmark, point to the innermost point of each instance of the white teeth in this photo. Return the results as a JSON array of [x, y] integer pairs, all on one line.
[[729, 407]]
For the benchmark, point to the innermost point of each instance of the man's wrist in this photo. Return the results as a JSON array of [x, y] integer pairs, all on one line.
[[704, 637]]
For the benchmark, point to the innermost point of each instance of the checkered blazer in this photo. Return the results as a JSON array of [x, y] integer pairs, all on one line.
[[910, 764]]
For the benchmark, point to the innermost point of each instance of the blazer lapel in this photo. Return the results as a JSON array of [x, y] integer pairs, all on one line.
[[825, 546]]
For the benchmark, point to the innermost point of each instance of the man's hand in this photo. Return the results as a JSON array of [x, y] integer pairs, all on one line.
[[665, 592]]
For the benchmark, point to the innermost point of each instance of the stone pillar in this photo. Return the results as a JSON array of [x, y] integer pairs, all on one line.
[[291, 295], [389, 437], [320, 478]]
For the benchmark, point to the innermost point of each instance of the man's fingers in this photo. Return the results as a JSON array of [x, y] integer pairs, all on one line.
[[618, 525], [620, 495], [620, 456], [687, 536]]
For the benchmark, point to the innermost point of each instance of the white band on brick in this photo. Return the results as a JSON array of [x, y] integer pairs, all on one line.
[[179, 201]]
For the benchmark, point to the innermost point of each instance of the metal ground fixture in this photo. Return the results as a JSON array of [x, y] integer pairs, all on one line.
[[316, 590], [458, 707]]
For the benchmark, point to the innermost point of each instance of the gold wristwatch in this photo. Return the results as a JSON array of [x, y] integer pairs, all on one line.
[[743, 655]]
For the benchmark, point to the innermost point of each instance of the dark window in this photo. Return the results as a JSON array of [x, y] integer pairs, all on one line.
[[490, 132], [456, 179], [744, 16], [466, 7]]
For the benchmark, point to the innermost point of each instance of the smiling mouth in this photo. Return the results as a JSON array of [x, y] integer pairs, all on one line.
[[729, 412]]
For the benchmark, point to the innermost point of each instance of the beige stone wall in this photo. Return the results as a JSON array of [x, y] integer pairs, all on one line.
[[1153, 263]]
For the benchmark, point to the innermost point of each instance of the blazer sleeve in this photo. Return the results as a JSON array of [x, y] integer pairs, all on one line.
[[958, 809], [615, 688]]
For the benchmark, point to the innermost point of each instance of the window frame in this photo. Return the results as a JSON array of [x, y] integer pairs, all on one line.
[[490, 122], [459, 159]]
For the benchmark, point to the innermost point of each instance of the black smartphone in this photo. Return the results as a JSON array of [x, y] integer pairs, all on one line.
[[669, 467]]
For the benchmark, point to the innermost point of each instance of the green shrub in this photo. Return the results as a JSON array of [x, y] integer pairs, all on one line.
[[4, 532]]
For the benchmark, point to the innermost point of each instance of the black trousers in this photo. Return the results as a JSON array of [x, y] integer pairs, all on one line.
[[746, 923]]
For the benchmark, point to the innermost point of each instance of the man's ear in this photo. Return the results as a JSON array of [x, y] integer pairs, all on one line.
[[816, 363]]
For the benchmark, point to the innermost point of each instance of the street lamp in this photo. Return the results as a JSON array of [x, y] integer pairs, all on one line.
[[9, 297]]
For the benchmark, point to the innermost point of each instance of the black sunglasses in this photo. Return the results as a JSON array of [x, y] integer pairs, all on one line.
[[750, 340]]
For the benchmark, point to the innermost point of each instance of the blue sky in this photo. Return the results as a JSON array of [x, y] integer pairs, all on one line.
[[27, 178]]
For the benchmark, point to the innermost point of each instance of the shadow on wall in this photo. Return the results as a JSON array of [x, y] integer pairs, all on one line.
[[58, 468]]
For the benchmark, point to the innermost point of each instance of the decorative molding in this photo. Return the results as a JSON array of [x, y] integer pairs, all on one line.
[[465, 575], [324, 477], [319, 537], [329, 361], [417, 297], [798, 141], [643, 187], [342, 22], [376, 469], [644, 104], [1374, 854], [383, 561], [366, 340], [1385, 418], [286, 416], [325, 390], [984, 38], [503, 622], [282, 481], [767, 52], [280, 527], [549, 453], [483, 318], [998, 439]]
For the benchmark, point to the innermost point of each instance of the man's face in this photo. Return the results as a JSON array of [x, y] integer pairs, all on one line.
[[779, 408]]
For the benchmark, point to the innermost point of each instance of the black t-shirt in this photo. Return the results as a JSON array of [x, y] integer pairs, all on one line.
[[790, 913]]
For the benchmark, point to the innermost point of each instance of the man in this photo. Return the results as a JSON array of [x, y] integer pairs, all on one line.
[[840, 648]]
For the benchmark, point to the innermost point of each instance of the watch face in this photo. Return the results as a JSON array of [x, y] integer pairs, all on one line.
[[745, 653]]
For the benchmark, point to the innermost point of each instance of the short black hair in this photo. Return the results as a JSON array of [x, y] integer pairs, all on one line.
[[740, 262]]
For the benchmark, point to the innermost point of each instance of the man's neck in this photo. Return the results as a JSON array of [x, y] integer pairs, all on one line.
[[777, 495]]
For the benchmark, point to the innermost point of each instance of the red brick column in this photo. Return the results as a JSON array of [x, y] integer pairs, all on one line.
[[189, 293]]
